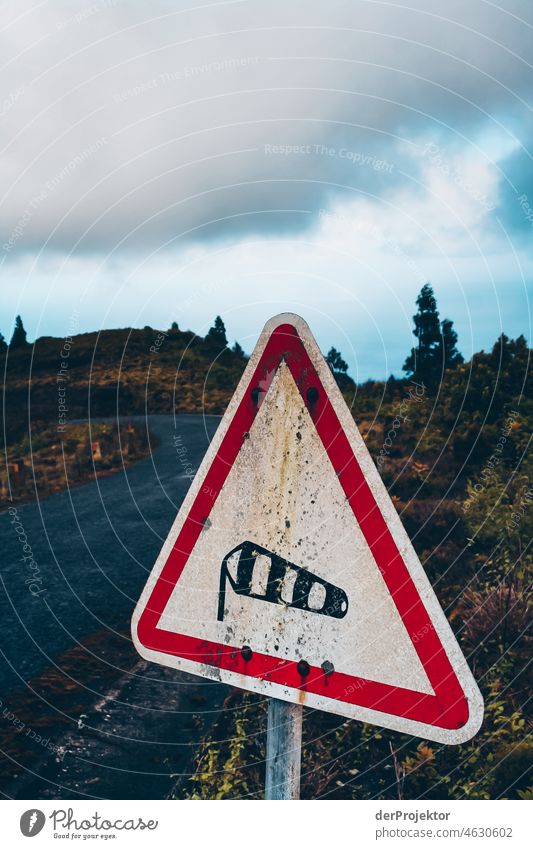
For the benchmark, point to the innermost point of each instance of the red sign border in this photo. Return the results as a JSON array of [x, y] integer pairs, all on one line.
[[448, 708]]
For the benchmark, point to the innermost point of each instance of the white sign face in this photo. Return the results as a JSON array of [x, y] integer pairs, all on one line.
[[287, 570]]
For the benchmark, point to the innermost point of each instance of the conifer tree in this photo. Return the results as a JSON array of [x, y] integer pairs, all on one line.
[[217, 333], [450, 355], [437, 342], [335, 361], [18, 340]]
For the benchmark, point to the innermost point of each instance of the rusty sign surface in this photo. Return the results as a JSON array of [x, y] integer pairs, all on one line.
[[288, 571]]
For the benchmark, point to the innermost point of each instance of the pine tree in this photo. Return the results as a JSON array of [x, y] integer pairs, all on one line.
[[425, 361], [437, 342], [451, 357], [391, 387], [510, 361], [3, 343], [174, 326], [335, 361], [217, 333], [501, 356], [18, 340], [239, 351]]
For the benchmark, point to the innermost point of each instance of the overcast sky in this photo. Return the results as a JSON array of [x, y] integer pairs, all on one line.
[[174, 160]]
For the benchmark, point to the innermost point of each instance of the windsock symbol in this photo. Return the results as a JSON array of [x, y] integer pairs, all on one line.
[[277, 581]]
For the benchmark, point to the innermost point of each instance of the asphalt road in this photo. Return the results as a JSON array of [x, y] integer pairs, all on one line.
[[81, 713]]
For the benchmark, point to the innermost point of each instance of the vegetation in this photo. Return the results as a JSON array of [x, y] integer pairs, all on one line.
[[51, 461], [217, 334], [52, 383], [239, 351], [18, 340], [451, 443], [459, 473], [437, 342], [130, 371], [335, 361]]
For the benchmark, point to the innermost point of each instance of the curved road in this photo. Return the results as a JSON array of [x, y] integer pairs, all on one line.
[[81, 713]]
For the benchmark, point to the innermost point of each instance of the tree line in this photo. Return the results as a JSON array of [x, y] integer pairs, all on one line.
[[434, 353]]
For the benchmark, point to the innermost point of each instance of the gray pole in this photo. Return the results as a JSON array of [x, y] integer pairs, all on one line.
[[284, 750]]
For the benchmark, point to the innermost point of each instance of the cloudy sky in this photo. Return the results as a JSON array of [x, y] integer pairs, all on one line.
[[173, 160]]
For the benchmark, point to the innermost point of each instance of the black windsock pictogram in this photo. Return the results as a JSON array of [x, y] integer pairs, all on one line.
[[286, 584]]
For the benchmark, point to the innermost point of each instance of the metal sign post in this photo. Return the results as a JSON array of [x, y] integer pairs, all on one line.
[[284, 750]]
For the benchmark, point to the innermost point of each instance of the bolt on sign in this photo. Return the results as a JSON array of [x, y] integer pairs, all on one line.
[[287, 570]]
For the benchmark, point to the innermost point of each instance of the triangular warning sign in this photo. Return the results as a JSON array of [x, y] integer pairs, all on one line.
[[288, 571]]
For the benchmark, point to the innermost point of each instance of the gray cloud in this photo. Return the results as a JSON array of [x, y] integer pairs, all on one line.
[[128, 126], [516, 194]]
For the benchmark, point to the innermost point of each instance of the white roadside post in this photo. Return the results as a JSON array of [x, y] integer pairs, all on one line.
[[284, 750]]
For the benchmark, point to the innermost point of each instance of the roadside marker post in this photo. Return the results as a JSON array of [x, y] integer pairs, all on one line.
[[288, 572]]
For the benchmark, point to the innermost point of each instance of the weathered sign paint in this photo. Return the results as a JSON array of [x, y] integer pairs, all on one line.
[[288, 571]]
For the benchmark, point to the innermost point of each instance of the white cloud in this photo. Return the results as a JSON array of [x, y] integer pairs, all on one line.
[[143, 124], [158, 163]]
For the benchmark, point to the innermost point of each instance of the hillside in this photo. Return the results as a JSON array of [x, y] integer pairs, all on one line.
[[130, 371], [455, 459], [51, 461], [51, 384], [426, 442]]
